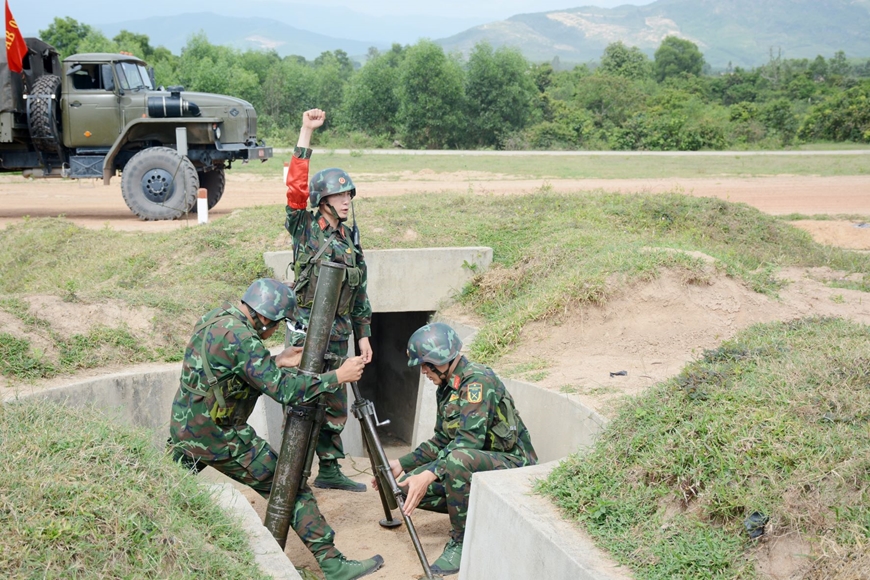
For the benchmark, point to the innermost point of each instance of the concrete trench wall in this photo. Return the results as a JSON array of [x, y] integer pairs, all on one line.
[[540, 544]]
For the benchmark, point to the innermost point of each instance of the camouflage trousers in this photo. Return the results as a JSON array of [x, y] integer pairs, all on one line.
[[451, 493], [329, 445], [254, 465]]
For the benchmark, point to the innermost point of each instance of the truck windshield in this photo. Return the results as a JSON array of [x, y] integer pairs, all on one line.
[[146, 78], [131, 78]]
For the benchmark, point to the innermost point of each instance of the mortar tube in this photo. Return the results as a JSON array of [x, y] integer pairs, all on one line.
[[294, 458]]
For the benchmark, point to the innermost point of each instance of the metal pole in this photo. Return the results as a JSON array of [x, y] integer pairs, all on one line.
[[295, 457], [364, 410]]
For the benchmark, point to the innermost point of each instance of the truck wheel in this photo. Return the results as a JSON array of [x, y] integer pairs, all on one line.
[[159, 184], [44, 115], [214, 182]]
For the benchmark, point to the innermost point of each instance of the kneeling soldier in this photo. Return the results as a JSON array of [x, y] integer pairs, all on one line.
[[477, 429], [226, 368]]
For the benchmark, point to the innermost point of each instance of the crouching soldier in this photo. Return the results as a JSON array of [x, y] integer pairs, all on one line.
[[477, 429], [226, 368]]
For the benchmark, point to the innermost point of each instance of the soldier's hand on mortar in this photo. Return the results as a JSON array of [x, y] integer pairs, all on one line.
[[313, 118], [417, 486], [395, 467], [351, 370], [289, 357]]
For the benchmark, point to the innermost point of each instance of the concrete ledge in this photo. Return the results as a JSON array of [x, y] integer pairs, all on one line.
[[394, 275], [513, 534], [141, 396], [267, 553]]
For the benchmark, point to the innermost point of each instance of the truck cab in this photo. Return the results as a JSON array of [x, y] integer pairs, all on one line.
[[102, 113]]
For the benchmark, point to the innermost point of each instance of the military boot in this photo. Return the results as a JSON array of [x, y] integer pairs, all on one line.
[[329, 476], [340, 568], [448, 561]]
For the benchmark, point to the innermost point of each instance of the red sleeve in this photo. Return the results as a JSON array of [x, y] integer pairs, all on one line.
[[297, 183]]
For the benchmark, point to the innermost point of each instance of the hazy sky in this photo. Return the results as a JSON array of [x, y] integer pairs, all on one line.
[[489, 9], [34, 15]]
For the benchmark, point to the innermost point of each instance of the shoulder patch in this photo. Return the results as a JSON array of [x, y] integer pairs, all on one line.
[[475, 393]]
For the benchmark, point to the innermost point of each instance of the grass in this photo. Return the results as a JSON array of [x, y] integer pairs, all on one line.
[[81, 497], [552, 252], [100, 345], [176, 277], [775, 421], [610, 166]]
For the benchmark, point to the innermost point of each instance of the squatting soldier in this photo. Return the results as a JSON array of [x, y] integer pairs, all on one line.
[[477, 429], [317, 236], [226, 368]]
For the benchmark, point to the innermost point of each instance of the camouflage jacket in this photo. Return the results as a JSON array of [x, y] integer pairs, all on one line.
[[471, 413], [209, 419], [310, 231]]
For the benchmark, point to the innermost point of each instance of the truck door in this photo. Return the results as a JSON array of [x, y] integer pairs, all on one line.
[[134, 90], [91, 112]]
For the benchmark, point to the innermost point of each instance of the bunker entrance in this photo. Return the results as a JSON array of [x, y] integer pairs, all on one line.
[[388, 382]]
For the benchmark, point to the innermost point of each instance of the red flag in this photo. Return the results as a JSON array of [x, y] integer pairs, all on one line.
[[16, 48]]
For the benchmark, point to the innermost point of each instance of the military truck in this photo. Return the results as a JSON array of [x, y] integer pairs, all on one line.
[[94, 115]]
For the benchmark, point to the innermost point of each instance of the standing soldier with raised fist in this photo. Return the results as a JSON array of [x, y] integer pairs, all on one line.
[[321, 234]]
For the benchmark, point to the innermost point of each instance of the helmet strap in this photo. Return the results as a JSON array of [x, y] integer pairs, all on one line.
[[443, 376], [258, 324], [334, 213]]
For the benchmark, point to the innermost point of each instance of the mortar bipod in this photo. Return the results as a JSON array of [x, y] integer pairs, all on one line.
[[388, 487]]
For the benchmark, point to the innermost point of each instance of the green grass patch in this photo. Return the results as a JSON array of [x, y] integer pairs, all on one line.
[[81, 497], [775, 421], [552, 252], [590, 166], [178, 275]]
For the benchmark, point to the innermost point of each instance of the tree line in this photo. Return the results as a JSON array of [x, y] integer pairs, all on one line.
[[418, 96]]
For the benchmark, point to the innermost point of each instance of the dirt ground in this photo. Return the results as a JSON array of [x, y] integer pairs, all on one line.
[[650, 332], [91, 204]]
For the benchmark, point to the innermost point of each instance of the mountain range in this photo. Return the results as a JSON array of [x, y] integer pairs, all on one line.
[[739, 32], [243, 33]]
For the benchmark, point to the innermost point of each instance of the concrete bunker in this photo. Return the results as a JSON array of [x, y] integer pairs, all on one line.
[[400, 305], [543, 544]]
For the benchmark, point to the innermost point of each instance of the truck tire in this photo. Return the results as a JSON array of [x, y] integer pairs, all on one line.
[[44, 115], [214, 182], [159, 184]]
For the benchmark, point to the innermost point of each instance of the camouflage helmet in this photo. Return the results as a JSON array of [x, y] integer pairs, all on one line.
[[271, 298], [329, 182], [435, 343]]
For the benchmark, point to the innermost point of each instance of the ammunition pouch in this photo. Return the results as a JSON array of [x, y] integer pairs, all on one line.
[[353, 277], [305, 281], [503, 434], [233, 403], [228, 400]]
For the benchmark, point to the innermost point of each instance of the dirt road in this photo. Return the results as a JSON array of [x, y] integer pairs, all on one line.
[[91, 204]]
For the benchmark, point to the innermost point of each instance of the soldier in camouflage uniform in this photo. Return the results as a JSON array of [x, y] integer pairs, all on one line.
[[226, 368], [319, 235], [477, 429]]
